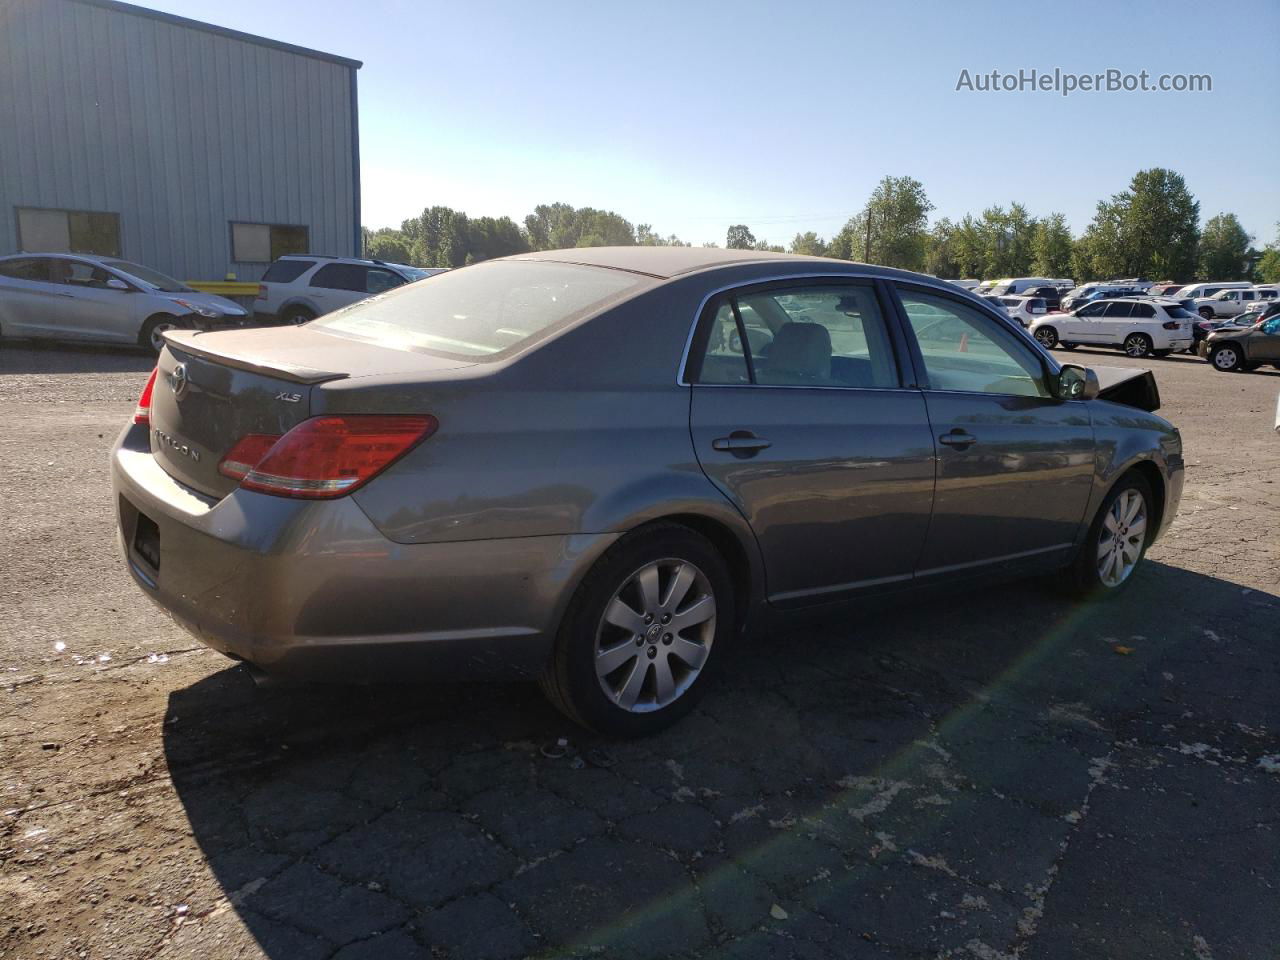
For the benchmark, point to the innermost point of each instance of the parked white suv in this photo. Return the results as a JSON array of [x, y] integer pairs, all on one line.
[[1025, 309], [1232, 303], [1140, 326], [299, 288]]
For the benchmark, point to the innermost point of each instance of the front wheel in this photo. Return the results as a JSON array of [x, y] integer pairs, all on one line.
[[1047, 337], [648, 621], [151, 336], [1226, 358], [1137, 345], [1117, 539]]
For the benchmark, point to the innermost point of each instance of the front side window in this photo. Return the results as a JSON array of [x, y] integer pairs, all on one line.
[[1092, 310], [265, 242], [823, 335], [69, 231], [964, 350], [380, 281]]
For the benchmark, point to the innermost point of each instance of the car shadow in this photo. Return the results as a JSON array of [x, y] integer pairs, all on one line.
[[844, 781], [33, 356]]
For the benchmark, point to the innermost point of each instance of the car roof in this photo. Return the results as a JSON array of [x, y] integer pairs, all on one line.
[[61, 255]]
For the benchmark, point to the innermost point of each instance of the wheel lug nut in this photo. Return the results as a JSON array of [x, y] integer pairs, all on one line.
[[639, 641], [666, 618], [666, 638], [648, 618], [653, 652]]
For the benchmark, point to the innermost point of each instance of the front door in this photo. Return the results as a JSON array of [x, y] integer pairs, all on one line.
[[800, 418], [1014, 464]]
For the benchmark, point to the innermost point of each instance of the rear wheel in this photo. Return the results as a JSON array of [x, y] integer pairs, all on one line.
[[152, 334], [1137, 345], [633, 650], [1226, 358], [296, 316], [1206, 312], [1161, 353], [1068, 346], [1117, 540], [1047, 337]]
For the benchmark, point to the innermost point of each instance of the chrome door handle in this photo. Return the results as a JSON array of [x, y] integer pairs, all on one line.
[[958, 438], [741, 443]]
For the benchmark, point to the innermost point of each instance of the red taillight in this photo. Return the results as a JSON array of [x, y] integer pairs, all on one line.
[[326, 457], [262, 291], [244, 456], [1171, 325], [142, 412]]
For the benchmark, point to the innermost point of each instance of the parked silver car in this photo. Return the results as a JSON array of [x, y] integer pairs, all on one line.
[[598, 466], [301, 287], [64, 296]]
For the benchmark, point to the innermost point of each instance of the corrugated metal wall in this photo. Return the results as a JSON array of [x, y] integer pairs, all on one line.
[[177, 130]]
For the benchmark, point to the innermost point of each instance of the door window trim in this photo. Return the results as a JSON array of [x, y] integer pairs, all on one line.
[[700, 330]]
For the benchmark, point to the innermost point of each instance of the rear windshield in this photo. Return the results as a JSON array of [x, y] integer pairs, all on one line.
[[483, 311], [286, 271], [1177, 313]]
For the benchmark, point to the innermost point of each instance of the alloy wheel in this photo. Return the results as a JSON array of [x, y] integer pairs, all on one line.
[[1047, 337], [1136, 345], [157, 334], [655, 635], [1120, 541], [1224, 358]]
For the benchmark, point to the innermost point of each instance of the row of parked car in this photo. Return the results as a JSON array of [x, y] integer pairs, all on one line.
[[1228, 323], [81, 297]]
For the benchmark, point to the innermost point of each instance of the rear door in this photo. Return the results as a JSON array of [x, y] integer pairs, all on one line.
[[1115, 323], [25, 296], [1014, 464], [813, 433]]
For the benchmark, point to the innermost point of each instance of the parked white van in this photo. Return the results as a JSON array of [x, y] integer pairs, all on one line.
[[1233, 302], [1014, 286], [1196, 291]]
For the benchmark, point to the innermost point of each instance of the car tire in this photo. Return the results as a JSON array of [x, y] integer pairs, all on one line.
[[1206, 313], [1113, 549], [1225, 358], [1068, 346], [296, 316], [1047, 337], [614, 645], [1137, 345], [1161, 354], [151, 336]]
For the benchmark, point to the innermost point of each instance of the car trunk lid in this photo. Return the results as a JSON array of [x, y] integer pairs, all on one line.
[[214, 389]]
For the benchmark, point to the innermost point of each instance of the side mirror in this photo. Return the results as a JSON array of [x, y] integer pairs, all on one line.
[[1077, 383], [115, 283]]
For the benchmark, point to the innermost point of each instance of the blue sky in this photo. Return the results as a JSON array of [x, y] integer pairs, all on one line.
[[692, 116]]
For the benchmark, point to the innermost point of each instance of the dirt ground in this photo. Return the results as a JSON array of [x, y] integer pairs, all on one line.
[[987, 774]]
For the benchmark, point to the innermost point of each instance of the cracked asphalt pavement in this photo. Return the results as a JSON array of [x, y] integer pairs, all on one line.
[[980, 774]]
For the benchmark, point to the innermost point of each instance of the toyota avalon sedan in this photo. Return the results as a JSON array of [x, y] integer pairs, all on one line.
[[599, 467]]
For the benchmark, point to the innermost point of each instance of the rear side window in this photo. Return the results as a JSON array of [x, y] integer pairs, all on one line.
[[1178, 313], [286, 271], [29, 269], [484, 311], [1117, 310], [825, 335], [341, 276], [1143, 311]]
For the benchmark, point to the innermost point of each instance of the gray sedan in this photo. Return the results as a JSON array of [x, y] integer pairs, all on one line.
[[63, 296], [599, 467]]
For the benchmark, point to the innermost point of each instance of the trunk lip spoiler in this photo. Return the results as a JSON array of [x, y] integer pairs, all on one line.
[[182, 340]]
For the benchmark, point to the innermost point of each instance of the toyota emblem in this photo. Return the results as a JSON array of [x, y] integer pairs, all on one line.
[[178, 381]]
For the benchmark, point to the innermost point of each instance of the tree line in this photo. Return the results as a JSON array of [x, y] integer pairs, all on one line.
[[1151, 229]]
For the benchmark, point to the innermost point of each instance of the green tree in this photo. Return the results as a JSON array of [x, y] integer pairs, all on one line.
[[809, 245], [940, 251], [1224, 249], [1268, 268], [386, 244], [891, 230], [646, 237], [739, 237], [1051, 247], [558, 226], [1149, 230]]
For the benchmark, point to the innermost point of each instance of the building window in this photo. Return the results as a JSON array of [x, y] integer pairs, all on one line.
[[68, 231], [266, 242]]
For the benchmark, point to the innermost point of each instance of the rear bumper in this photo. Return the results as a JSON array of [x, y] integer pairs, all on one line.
[[312, 590]]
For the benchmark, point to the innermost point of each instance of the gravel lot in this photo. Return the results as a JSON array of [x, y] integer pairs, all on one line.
[[982, 774]]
